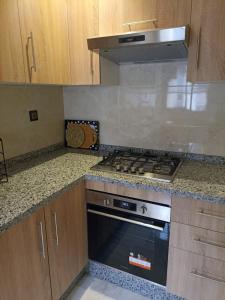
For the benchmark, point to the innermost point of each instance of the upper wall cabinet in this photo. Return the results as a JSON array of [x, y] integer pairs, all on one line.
[[131, 15], [44, 30], [11, 56], [206, 60], [83, 23]]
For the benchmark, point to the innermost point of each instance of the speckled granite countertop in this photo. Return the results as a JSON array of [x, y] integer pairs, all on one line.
[[198, 180], [34, 187], [38, 184]]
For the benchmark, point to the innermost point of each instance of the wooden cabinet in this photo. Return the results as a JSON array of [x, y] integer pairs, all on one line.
[[198, 240], [44, 30], [198, 213], [197, 250], [83, 23], [173, 13], [132, 15], [206, 61], [195, 277], [42, 255], [24, 260], [11, 55], [67, 238]]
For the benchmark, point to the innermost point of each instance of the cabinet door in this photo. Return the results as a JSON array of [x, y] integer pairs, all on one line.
[[195, 277], [138, 15], [24, 261], [173, 13], [44, 29], [11, 55], [133, 15], [110, 17], [67, 238], [83, 23], [206, 61]]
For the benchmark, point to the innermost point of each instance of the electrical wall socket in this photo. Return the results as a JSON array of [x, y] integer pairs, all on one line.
[[33, 115]]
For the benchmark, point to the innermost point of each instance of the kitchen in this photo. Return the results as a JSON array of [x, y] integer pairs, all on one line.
[[112, 177]]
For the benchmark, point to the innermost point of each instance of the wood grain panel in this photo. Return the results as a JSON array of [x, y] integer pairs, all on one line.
[[136, 11], [11, 54], [197, 240], [182, 279], [83, 23], [198, 213], [67, 238], [122, 190], [24, 269], [47, 21], [206, 60], [110, 17], [173, 13]]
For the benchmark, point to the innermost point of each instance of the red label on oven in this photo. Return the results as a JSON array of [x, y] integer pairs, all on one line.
[[140, 262]]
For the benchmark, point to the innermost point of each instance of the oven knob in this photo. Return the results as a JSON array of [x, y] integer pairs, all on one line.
[[141, 170], [118, 167], [133, 169], [144, 209], [125, 168], [106, 202]]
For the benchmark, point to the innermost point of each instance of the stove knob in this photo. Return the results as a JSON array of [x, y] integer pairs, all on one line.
[[106, 202], [133, 169], [118, 167], [125, 168], [144, 209], [141, 170]]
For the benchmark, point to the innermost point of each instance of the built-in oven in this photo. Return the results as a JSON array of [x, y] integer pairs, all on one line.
[[129, 234]]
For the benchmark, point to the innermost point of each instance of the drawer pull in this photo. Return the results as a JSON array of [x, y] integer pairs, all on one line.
[[202, 213], [210, 243], [199, 275]]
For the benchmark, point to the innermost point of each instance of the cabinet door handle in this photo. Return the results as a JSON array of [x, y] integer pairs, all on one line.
[[209, 243], [56, 229], [129, 24], [33, 53], [206, 214], [33, 66], [92, 65], [198, 47], [199, 275], [42, 240]]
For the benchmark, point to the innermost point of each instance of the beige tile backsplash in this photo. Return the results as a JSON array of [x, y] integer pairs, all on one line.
[[154, 108], [19, 134]]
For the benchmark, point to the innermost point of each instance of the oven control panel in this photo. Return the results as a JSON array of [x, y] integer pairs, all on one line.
[[134, 206], [125, 204]]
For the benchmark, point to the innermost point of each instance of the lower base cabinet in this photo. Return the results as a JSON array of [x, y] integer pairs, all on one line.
[[195, 277], [67, 238], [24, 267], [52, 241]]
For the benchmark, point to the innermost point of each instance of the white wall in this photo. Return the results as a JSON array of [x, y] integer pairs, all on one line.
[[154, 108]]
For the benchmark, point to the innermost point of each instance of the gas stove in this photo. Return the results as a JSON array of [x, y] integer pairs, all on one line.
[[147, 165]]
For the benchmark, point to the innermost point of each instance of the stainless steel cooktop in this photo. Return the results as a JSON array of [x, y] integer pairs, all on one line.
[[161, 168]]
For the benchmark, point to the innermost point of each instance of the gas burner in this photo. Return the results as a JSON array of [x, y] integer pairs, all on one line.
[[147, 165]]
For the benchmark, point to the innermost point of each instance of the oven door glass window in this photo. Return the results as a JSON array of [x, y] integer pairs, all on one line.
[[129, 247]]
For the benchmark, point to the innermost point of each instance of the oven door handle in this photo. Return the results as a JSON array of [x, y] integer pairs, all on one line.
[[125, 220]]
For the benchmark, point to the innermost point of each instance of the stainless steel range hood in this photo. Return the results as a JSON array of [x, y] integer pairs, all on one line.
[[143, 47]]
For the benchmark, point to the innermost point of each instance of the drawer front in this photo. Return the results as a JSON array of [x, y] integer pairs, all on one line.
[[195, 277], [198, 240], [198, 213]]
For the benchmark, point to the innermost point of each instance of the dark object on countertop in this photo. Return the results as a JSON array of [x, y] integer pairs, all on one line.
[[3, 169], [82, 134]]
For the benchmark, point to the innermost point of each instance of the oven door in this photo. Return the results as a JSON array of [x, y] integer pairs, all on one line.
[[131, 243]]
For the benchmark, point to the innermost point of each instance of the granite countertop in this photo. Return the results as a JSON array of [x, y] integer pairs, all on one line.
[[38, 183]]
